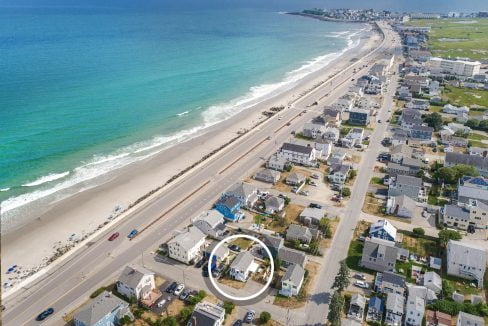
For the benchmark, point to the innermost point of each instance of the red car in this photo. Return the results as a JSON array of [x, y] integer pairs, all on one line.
[[113, 236]]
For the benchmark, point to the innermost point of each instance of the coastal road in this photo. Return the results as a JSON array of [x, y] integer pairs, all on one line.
[[101, 261]]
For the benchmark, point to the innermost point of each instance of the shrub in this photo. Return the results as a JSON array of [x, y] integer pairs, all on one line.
[[229, 306], [346, 192], [97, 292], [264, 317], [418, 231]]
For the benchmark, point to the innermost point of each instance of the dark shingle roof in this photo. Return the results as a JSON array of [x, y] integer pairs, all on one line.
[[296, 148]]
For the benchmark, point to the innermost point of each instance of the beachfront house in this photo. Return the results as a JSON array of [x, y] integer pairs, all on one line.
[[268, 175], [245, 193], [292, 281], [207, 314], [276, 162], [298, 154], [313, 130], [242, 266], [187, 245], [210, 222], [105, 309], [230, 207], [467, 261], [136, 282]]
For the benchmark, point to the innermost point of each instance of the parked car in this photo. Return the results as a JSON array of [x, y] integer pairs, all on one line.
[[46, 313], [113, 236], [313, 183], [360, 276], [172, 287], [235, 248], [200, 262], [361, 284], [237, 323], [179, 289], [132, 234], [314, 205], [185, 294], [304, 193], [249, 316], [315, 176]]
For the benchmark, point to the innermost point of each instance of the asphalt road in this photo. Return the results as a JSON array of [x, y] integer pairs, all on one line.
[[101, 261]]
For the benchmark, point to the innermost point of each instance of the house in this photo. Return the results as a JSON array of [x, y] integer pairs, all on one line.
[[389, 282], [186, 246], [276, 162], [435, 263], [220, 255], [274, 244], [448, 138], [437, 318], [230, 207], [383, 229], [395, 169], [208, 314], [210, 223], [420, 55], [417, 104], [401, 206], [462, 117], [399, 137], [414, 311], [332, 116], [356, 90], [268, 175], [241, 266], [332, 134], [472, 188], [338, 173], [455, 216], [324, 147], [356, 307], [378, 69], [292, 281], [410, 114], [478, 151], [404, 93], [407, 122], [466, 260], [313, 130], [409, 186], [420, 132], [456, 67], [434, 88], [312, 216], [345, 103], [457, 127], [398, 152], [376, 307], [421, 81], [136, 282], [451, 109], [274, 204], [359, 117], [379, 255], [394, 309], [465, 319], [105, 309], [298, 154], [295, 179], [299, 232], [480, 163], [246, 194], [432, 281], [290, 257]]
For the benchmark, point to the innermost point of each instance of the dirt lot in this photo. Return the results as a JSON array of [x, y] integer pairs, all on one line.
[[291, 216], [232, 283], [326, 243], [373, 205]]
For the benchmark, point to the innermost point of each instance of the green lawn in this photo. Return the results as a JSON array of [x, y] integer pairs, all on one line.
[[467, 38], [475, 136], [242, 243], [466, 97], [376, 181], [422, 246], [405, 269], [354, 257], [435, 108], [477, 143]]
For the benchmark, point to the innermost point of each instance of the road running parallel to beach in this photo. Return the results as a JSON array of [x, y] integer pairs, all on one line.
[[101, 261]]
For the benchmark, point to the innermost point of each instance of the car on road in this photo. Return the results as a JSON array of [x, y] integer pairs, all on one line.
[[360, 276], [288, 123], [237, 323], [235, 248], [315, 176], [379, 121], [304, 193], [361, 284], [249, 316], [172, 287], [313, 183], [314, 205], [132, 234], [113, 236], [46, 313], [179, 289]]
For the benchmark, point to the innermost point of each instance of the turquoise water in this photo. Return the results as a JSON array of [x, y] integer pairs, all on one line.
[[86, 91]]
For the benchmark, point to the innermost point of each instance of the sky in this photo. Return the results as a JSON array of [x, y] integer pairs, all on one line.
[[285, 5]]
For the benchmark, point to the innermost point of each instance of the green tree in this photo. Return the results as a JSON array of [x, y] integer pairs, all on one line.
[[418, 231], [314, 247], [452, 174], [434, 120], [229, 306], [346, 192], [258, 219], [352, 174], [277, 263], [447, 288], [335, 309], [473, 123], [296, 243], [446, 235], [185, 313], [264, 317], [170, 321], [287, 200], [341, 280], [325, 227]]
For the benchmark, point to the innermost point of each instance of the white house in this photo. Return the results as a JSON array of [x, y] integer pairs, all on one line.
[[276, 162], [451, 109], [345, 103], [274, 204], [454, 67], [414, 311], [187, 245], [292, 282], [433, 281], [208, 314], [242, 266], [135, 282], [210, 222], [466, 260], [298, 153], [465, 319]]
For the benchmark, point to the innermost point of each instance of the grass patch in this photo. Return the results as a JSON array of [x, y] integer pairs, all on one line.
[[421, 246], [465, 97], [376, 181], [373, 206], [475, 136], [433, 200], [354, 254], [311, 271], [435, 108], [476, 143], [292, 212], [405, 269], [242, 243]]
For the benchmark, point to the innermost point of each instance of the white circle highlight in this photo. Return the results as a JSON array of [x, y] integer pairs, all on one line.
[[250, 297]]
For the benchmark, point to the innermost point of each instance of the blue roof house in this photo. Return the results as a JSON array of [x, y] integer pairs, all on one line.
[[230, 207], [383, 229], [376, 307]]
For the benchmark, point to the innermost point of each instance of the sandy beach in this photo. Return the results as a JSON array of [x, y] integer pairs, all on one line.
[[66, 225]]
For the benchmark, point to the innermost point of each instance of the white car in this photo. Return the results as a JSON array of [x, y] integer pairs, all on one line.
[[179, 289], [361, 284]]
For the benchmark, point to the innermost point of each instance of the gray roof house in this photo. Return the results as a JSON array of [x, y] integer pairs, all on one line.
[[268, 175], [432, 281], [295, 179], [207, 314], [276, 162], [465, 319], [408, 186], [389, 282], [313, 130], [479, 162], [241, 266], [187, 245], [244, 192], [210, 223], [292, 281], [379, 255], [414, 311], [105, 309], [274, 204], [135, 281], [466, 260], [356, 308], [274, 244], [472, 188], [290, 256], [394, 309], [312, 216], [221, 253], [421, 132], [299, 232], [455, 216], [401, 206]]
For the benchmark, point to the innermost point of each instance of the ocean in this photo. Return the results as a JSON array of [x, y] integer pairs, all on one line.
[[85, 91]]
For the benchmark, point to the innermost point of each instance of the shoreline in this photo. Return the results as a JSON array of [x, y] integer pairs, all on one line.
[[145, 177]]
